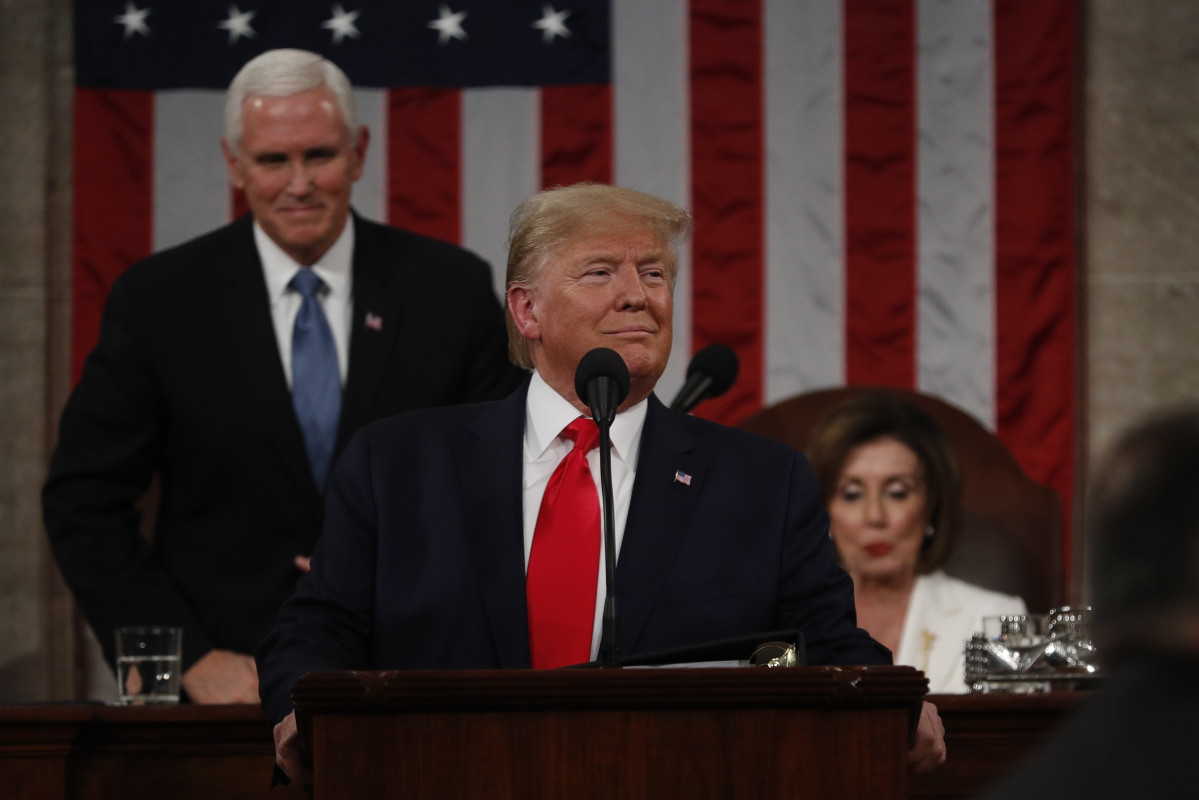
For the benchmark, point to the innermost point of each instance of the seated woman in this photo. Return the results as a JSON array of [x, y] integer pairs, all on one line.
[[892, 486]]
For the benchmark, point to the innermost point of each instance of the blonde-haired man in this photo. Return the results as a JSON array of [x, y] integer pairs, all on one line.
[[428, 555]]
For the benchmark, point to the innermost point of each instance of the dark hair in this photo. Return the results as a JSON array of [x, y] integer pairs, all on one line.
[[1144, 532], [876, 414]]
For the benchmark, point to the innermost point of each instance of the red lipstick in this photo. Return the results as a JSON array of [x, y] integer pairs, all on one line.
[[879, 549]]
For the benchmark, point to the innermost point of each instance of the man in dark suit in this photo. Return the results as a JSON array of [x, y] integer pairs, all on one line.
[[198, 372], [430, 556], [1136, 736]]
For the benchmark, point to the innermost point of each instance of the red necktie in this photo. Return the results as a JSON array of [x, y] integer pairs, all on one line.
[[564, 561]]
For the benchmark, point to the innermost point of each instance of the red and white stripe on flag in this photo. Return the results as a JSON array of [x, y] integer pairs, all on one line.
[[883, 190]]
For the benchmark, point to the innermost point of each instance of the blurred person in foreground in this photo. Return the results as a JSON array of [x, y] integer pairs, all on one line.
[[890, 480], [1136, 736], [430, 555], [235, 366]]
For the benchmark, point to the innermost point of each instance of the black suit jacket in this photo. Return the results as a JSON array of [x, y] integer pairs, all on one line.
[[421, 565], [186, 383], [1134, 737]]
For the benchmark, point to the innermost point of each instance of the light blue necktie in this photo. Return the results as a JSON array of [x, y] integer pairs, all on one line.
[[316, 381]]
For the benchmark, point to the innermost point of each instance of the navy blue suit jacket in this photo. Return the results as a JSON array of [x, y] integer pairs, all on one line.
[[421, 564], [186, 383]]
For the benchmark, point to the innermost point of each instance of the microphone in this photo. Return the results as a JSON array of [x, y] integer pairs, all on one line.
[[710, 374], [602, 382]]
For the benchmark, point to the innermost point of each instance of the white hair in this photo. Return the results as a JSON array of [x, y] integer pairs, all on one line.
[[282, 73]]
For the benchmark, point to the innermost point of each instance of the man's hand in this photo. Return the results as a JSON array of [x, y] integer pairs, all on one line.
[[222, 676], [303, 563], [928, 752], [287, 750]]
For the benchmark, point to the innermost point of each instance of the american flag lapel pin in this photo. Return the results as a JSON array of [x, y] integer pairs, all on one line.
[[682, 477], [374, 321]]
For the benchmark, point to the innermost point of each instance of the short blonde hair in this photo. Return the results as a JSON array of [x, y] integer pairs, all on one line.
[[552, 218]]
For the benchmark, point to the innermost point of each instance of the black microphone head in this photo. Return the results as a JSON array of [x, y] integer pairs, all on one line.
[[602, 362], [720, 364]]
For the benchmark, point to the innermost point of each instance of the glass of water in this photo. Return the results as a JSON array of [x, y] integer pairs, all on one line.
[[148, 660]]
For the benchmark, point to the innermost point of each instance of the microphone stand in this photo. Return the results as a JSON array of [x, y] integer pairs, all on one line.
[[693, 391], [602, 381], [609, 652]]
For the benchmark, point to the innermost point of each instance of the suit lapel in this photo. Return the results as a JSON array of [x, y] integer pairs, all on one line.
[[374, 325], [256, 351], [659, 514], [490, 470]]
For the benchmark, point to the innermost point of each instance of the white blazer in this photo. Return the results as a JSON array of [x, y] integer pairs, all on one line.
[[943, 613]]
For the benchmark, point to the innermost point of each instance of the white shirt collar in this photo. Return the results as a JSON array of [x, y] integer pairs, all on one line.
[[279, 268], [548, 412]]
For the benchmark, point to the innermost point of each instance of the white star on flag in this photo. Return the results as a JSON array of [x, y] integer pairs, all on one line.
[[342, 23], [552, 23], [448, 25], [133, 20], [238, 24]]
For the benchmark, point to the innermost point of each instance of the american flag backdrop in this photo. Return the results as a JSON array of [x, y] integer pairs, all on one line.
[[883, 189]]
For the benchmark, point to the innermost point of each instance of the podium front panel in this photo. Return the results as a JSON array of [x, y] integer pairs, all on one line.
[[752, 733]]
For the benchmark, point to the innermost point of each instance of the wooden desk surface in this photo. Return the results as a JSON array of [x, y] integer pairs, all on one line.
[[177, 752], [988, 734], [184, 752]]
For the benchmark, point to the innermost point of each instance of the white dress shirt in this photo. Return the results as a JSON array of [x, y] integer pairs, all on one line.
[[336, 298], [546, 414]]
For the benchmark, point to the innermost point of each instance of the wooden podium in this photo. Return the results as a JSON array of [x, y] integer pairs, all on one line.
[[807, 732]]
